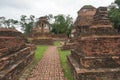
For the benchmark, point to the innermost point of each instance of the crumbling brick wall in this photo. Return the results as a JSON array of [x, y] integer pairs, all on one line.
[[15, 55], [100, 46]]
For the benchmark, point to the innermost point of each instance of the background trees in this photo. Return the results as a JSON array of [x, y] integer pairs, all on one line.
[[2, 20], [8, 22], [118, 3], [27, 24], [11, 23], [62, 24], [114, 15]]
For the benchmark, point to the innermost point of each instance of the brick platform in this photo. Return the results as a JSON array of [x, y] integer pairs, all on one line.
[[49, 67]]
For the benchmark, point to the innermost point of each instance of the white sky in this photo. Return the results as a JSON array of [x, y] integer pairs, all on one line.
[[15, 8]]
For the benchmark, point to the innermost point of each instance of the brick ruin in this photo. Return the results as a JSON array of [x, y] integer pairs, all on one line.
[[85, 17], [41, 33], [69, 44], [59, 37], [15, 54], [97, 52]]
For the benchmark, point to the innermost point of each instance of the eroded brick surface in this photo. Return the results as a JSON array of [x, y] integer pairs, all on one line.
[[41, 33], [96, 56], [15, 54], [49, 67]]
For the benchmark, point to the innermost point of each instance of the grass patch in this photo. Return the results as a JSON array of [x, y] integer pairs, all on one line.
[[57, 43], [39, 53], [64, 63]]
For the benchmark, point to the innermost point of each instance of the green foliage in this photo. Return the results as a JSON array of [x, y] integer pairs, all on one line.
[[62, 24], [11, 23], [118, 3], [63, 58], [2, 19], [27, 24], [65, 65], [8, 22], [39, 53], [114, 15], [57, 43], [49, 17]]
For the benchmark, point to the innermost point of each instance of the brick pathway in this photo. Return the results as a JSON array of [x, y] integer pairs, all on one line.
[[49, 67]]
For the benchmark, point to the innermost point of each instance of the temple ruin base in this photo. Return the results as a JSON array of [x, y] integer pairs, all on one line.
[[81, 73]]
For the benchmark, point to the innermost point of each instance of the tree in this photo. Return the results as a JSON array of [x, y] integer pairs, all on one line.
[[7, 22], [10, 23], [13, 23], [27, 23], [49, 17], [114, 15], [2, 20], [118, 3], [62, 24]]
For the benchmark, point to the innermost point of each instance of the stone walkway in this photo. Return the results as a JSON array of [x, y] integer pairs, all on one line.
[[49, 67]]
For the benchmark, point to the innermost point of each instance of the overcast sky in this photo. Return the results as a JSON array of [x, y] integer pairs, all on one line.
[[15, 8]]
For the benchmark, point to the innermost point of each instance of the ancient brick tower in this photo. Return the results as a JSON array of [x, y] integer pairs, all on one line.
[[84, 19], [15, 54], [41, 33], [42, 26], [82, 23], [97, 55]]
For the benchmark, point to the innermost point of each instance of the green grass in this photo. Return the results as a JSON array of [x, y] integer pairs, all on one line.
[[64, 63], [39, 52], [57, 43]]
